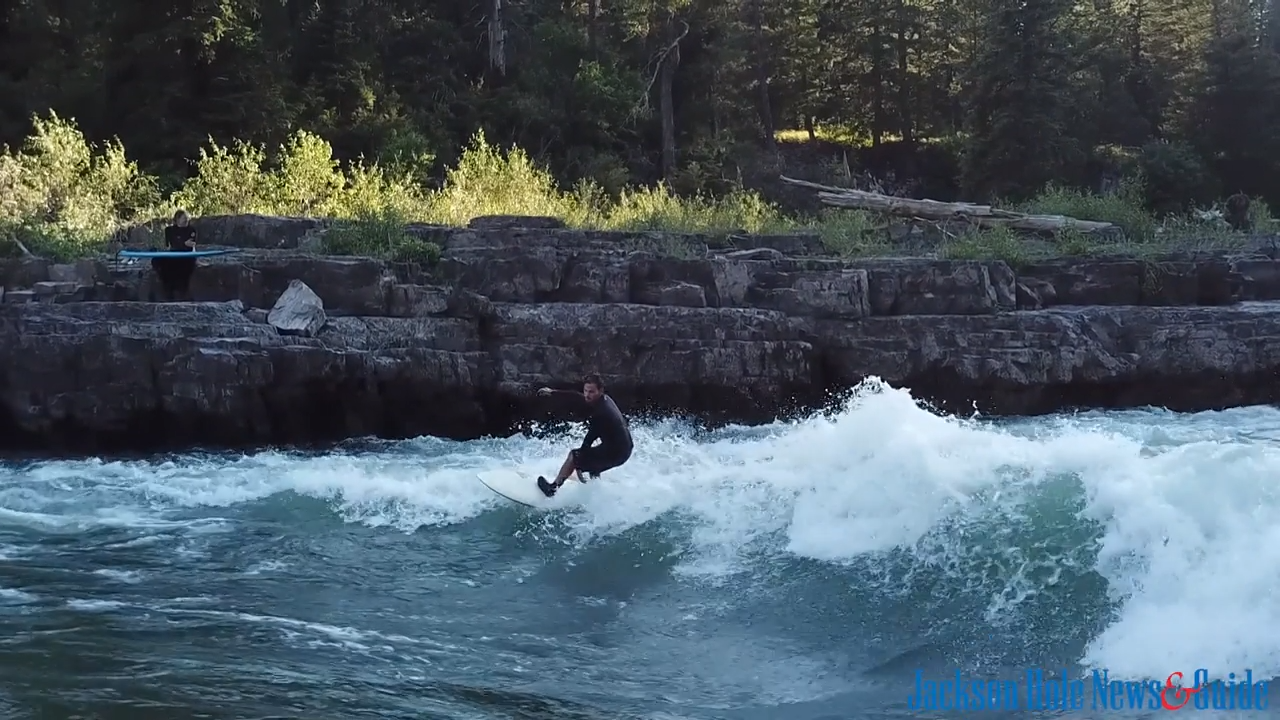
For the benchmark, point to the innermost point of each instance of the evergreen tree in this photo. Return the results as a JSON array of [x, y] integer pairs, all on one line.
[[691, 91]]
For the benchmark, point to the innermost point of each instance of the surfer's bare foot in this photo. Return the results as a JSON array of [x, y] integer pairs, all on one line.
[[547, 488]]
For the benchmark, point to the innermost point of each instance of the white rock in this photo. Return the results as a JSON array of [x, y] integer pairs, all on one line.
[[299, 311]]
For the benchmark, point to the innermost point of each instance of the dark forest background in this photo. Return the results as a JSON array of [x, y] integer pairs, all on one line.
[[969, 99]]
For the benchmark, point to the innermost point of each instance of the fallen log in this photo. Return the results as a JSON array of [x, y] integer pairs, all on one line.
[[938, 211]]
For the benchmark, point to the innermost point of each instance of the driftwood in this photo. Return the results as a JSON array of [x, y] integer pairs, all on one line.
[[937, 211]]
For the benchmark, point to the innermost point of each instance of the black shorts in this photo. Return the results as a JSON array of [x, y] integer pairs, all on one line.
[[598, 458], [174, 273]]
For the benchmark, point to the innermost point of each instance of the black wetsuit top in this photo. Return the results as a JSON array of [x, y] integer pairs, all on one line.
[[607, 424], [176, 237]]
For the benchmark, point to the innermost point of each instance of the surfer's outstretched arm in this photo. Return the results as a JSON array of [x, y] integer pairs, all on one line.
[[547, 392]]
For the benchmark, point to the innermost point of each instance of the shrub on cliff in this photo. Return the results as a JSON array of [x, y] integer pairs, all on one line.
[[1123, 208], [379, 234], [303, 179], [488, 181], [61, 197]]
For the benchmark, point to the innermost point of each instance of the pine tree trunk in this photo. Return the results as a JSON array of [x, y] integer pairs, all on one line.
[[497, 38]]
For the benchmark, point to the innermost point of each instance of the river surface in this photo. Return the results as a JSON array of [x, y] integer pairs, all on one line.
[[799, 571]]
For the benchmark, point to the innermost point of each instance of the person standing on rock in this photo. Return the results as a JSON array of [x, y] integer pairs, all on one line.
[[606, 424], [175, 273]]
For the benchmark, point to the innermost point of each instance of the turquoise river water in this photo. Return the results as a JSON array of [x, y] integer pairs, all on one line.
[[798, 571]]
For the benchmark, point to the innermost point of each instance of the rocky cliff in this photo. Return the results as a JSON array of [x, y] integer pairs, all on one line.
[[455, 348]]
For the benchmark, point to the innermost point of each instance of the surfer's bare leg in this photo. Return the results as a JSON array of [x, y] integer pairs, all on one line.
[[566, 469], [549, 488]]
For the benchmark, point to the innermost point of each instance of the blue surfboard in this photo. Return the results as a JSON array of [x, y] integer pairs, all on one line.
[[174, 253]]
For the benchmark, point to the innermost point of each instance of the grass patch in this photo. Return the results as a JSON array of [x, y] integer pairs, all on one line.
[[836, 134], [846, 135], [379, 233], [996, 244], [1123, 208], [63, 197]]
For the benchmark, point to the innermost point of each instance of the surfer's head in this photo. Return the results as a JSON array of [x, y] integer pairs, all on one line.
[[592, 388], [181, 218]]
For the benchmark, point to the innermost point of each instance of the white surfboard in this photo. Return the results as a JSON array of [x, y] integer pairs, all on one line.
[[524, 490]]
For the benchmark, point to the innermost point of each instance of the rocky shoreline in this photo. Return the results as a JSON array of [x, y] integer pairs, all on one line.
[[361, 347]]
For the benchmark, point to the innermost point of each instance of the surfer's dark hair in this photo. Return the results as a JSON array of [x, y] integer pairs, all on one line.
[[593, 379]]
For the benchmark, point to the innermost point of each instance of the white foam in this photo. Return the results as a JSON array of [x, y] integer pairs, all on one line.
[[266, 566], [1193, 550], [88, 605], [130, 577], [15, 597], [403, 491], [337, 636]]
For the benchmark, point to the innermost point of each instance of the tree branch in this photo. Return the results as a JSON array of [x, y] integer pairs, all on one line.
[[643, 102]]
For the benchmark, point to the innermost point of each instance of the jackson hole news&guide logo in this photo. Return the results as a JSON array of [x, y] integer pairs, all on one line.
[[1097, 690]]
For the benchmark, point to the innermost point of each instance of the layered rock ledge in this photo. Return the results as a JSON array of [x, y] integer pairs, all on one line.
[[456, 348]]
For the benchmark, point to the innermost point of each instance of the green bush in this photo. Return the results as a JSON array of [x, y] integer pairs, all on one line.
[[1123, 208], [304, 180], [62, 197], [1175, 179], [379, 234]]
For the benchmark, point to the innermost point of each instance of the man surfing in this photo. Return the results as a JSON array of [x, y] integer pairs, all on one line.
[[606, 424]]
